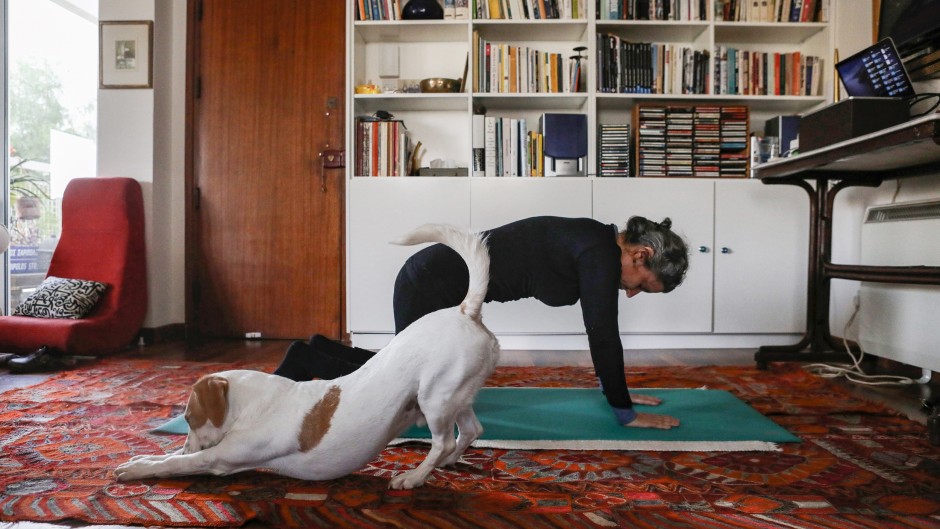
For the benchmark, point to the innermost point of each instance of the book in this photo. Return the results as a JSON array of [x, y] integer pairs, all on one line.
[[513, 157], [461, 9], [806, 11], [478, 144], [489, 146], [505, 131]]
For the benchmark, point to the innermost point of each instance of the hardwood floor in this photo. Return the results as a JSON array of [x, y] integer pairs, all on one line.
[[906, 400]]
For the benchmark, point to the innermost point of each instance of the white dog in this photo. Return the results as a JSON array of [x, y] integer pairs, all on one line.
[[323, 429]]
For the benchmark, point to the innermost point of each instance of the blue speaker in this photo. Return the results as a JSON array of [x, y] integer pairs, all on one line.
[[565, 141]]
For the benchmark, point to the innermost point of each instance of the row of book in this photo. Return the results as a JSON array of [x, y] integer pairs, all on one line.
[[690, 10], [613, 150], [507, 68], [692, 141], [772, 10], [649, 68], [504, 146], [383, 148], [379, 9], [652, 10], [744, 72], [530, 9]]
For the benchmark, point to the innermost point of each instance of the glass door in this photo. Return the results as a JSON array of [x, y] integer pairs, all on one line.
[[51, 109]]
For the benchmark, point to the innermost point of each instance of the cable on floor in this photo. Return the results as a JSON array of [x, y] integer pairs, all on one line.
[[853, 372]]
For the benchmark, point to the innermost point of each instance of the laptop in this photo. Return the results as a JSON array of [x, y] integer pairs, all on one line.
[[876, 71]]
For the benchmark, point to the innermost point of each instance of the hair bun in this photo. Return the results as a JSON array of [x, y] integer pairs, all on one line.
[[666, 223]]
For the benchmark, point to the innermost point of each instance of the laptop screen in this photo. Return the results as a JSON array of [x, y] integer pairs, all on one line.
[[876, 71]]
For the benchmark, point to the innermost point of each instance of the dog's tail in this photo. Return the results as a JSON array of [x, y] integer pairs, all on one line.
[[471, 247]]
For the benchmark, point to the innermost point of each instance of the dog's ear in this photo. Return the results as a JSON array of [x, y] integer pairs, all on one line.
[[207, 402]]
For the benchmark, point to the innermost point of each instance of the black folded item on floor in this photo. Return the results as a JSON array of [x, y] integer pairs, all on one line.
[[42, 360]]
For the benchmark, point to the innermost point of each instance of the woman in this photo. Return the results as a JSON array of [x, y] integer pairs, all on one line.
[[558, 261]]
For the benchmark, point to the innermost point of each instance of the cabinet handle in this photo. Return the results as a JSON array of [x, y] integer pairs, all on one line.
[[703, 249], [725, 249]]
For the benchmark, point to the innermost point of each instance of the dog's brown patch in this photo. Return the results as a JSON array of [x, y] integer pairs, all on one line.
[[318, 419], [208, 402]]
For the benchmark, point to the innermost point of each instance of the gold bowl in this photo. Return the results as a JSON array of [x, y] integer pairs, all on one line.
[[440, 85]]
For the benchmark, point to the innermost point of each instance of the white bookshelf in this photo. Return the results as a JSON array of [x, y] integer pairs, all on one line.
[[382, 208], [439, 48]]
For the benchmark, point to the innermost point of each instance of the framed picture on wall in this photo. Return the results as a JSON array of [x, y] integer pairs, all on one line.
[[126, 54]]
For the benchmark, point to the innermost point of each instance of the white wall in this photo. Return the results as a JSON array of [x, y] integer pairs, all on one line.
[[140, 135]]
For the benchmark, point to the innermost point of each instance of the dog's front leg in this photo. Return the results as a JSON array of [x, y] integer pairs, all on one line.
[[216, 460], [442, 446], [154, 457]]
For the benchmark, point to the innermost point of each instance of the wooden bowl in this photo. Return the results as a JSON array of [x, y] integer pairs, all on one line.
[[440, 85]]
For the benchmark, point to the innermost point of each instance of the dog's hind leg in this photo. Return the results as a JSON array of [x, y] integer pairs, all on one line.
[[443, 445], [470, 430]]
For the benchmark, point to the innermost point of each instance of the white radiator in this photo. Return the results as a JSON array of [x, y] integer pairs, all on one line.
[[901, 322]]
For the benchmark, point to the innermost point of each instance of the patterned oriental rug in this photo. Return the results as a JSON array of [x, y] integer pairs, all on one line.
[[859, 465]]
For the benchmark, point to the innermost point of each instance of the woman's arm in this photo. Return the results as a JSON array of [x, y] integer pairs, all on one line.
[[599, 282], [600, 292]]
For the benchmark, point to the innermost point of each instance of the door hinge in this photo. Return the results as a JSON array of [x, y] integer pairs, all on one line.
[[199, 10], [197, 89], [197, 198]]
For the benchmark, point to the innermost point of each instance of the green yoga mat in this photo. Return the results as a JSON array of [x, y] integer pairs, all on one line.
[[580, 419]]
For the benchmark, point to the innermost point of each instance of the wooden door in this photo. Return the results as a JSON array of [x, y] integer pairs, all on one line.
[[265, 248]]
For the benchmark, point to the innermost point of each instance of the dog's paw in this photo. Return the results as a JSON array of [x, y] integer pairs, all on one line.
[[133, 470], [406, 481], [451, 460]]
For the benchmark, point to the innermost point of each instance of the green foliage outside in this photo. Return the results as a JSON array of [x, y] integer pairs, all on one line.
[[35, 93]]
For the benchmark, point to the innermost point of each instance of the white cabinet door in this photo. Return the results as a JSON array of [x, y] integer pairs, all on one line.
[[761, 248], [689, 203], [383, 210], [498, 201]]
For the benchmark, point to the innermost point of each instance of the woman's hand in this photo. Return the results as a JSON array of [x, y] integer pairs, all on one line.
[[653, 420], [645, 400]]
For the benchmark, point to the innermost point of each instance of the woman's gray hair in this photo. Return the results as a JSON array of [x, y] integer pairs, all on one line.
[[670, 259]]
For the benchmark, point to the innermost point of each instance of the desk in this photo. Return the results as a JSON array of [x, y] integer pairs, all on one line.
[[907, 150]]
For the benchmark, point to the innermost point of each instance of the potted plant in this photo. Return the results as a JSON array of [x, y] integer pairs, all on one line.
[[27, 189]]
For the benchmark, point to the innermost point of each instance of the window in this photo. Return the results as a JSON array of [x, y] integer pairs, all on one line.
[[51, 84]]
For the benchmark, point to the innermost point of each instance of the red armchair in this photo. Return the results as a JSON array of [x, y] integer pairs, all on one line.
[[102, 240]]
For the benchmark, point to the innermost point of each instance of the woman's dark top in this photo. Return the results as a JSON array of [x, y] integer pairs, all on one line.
[[553, 259]]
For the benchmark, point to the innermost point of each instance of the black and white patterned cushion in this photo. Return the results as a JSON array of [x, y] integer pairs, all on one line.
[[56, 297]]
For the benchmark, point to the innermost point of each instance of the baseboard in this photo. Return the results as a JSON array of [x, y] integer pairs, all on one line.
[[174, 332], [575, 342]]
